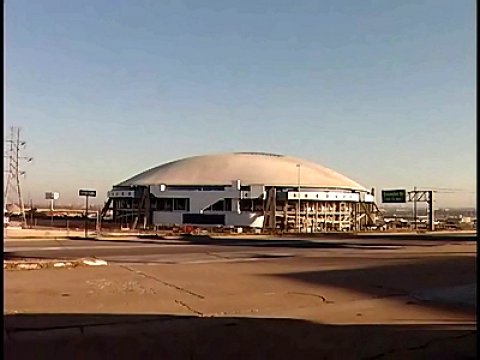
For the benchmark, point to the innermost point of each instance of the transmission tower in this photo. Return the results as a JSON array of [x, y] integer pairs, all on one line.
[[14, 147]]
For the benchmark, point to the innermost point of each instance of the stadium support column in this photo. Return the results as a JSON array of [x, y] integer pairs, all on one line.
[[147, 209], [237, 197], [115, 206], [415, 207], [285, 216], [354, 213], [269, 210], [431, 211], [273, 209]]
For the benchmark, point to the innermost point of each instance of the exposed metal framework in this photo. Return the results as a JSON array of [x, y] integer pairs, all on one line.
[[423, 196], [14, 147], [317, 216], [281, 212]]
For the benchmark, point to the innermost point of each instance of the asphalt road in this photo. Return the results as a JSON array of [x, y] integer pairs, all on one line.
[[336, 297], [210, 249]]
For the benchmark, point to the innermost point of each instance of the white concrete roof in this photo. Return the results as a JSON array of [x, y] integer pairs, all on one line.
[[249, 168]]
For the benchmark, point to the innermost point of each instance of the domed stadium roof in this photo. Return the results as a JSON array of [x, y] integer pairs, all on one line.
[[250, 168]]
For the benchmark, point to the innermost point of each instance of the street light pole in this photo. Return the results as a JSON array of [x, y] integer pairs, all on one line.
[[51, 212], [299, 196], [31, 213]]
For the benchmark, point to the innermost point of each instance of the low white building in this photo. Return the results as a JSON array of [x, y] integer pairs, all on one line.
[[242, 190]]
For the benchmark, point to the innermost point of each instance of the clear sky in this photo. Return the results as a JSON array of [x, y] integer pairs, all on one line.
[[381, 91]]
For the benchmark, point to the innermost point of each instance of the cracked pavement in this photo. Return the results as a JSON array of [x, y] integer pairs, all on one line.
[[315, 303]]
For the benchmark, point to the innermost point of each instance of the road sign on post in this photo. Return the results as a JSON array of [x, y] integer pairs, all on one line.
[[91, 193], [87, 194], [52, 196], [394, 196]]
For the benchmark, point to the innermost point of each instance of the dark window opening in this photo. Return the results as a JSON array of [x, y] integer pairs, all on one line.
[[251, 205], [124, 204], [246, 205], [213, 188], [184, 188], [258, 205], [153, 203], [203, 219], [221, 205], [195, 188], [181, 204], [172, 204], [165, 204]]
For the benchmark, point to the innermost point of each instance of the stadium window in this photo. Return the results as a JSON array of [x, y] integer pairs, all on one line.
[[181, 204], [246, 205], [258, 205], [184, 188], [153, 204], [217, 206], [213, 188], [165, 204]]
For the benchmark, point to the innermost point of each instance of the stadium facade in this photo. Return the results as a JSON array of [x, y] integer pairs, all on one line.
[[247, 190]]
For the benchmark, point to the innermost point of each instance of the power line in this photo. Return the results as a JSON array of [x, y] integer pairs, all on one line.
[[447, 190]]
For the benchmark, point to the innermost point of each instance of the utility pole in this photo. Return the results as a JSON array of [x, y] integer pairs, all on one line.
[[299, 201], [431, 211], [14, 148], [31, 214], [51, 212]]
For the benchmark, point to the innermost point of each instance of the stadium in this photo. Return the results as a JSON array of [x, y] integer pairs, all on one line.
[[242, 190]]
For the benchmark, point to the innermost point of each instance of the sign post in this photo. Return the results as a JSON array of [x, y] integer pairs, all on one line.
[[52, 196], [425, 196], [87, 194]]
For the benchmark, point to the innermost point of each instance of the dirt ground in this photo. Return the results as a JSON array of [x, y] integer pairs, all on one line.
[[402, 303]]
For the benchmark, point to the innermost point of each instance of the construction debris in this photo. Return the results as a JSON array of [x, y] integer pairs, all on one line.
[[50, 264]]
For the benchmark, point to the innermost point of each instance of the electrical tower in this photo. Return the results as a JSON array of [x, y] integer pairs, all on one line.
[[14, 148]]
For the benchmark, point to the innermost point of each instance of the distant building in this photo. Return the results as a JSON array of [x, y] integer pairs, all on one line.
[[13, 209]]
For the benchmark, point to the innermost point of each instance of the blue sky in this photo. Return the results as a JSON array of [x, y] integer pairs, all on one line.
[[381, 91]]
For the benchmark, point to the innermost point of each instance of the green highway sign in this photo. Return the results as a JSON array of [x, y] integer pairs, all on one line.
[[394, 196]]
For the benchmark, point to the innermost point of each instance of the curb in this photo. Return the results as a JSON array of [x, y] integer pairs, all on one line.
[[16, 265]]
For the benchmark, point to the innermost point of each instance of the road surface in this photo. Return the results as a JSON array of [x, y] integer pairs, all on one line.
[[200, 248], [256, 298]]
